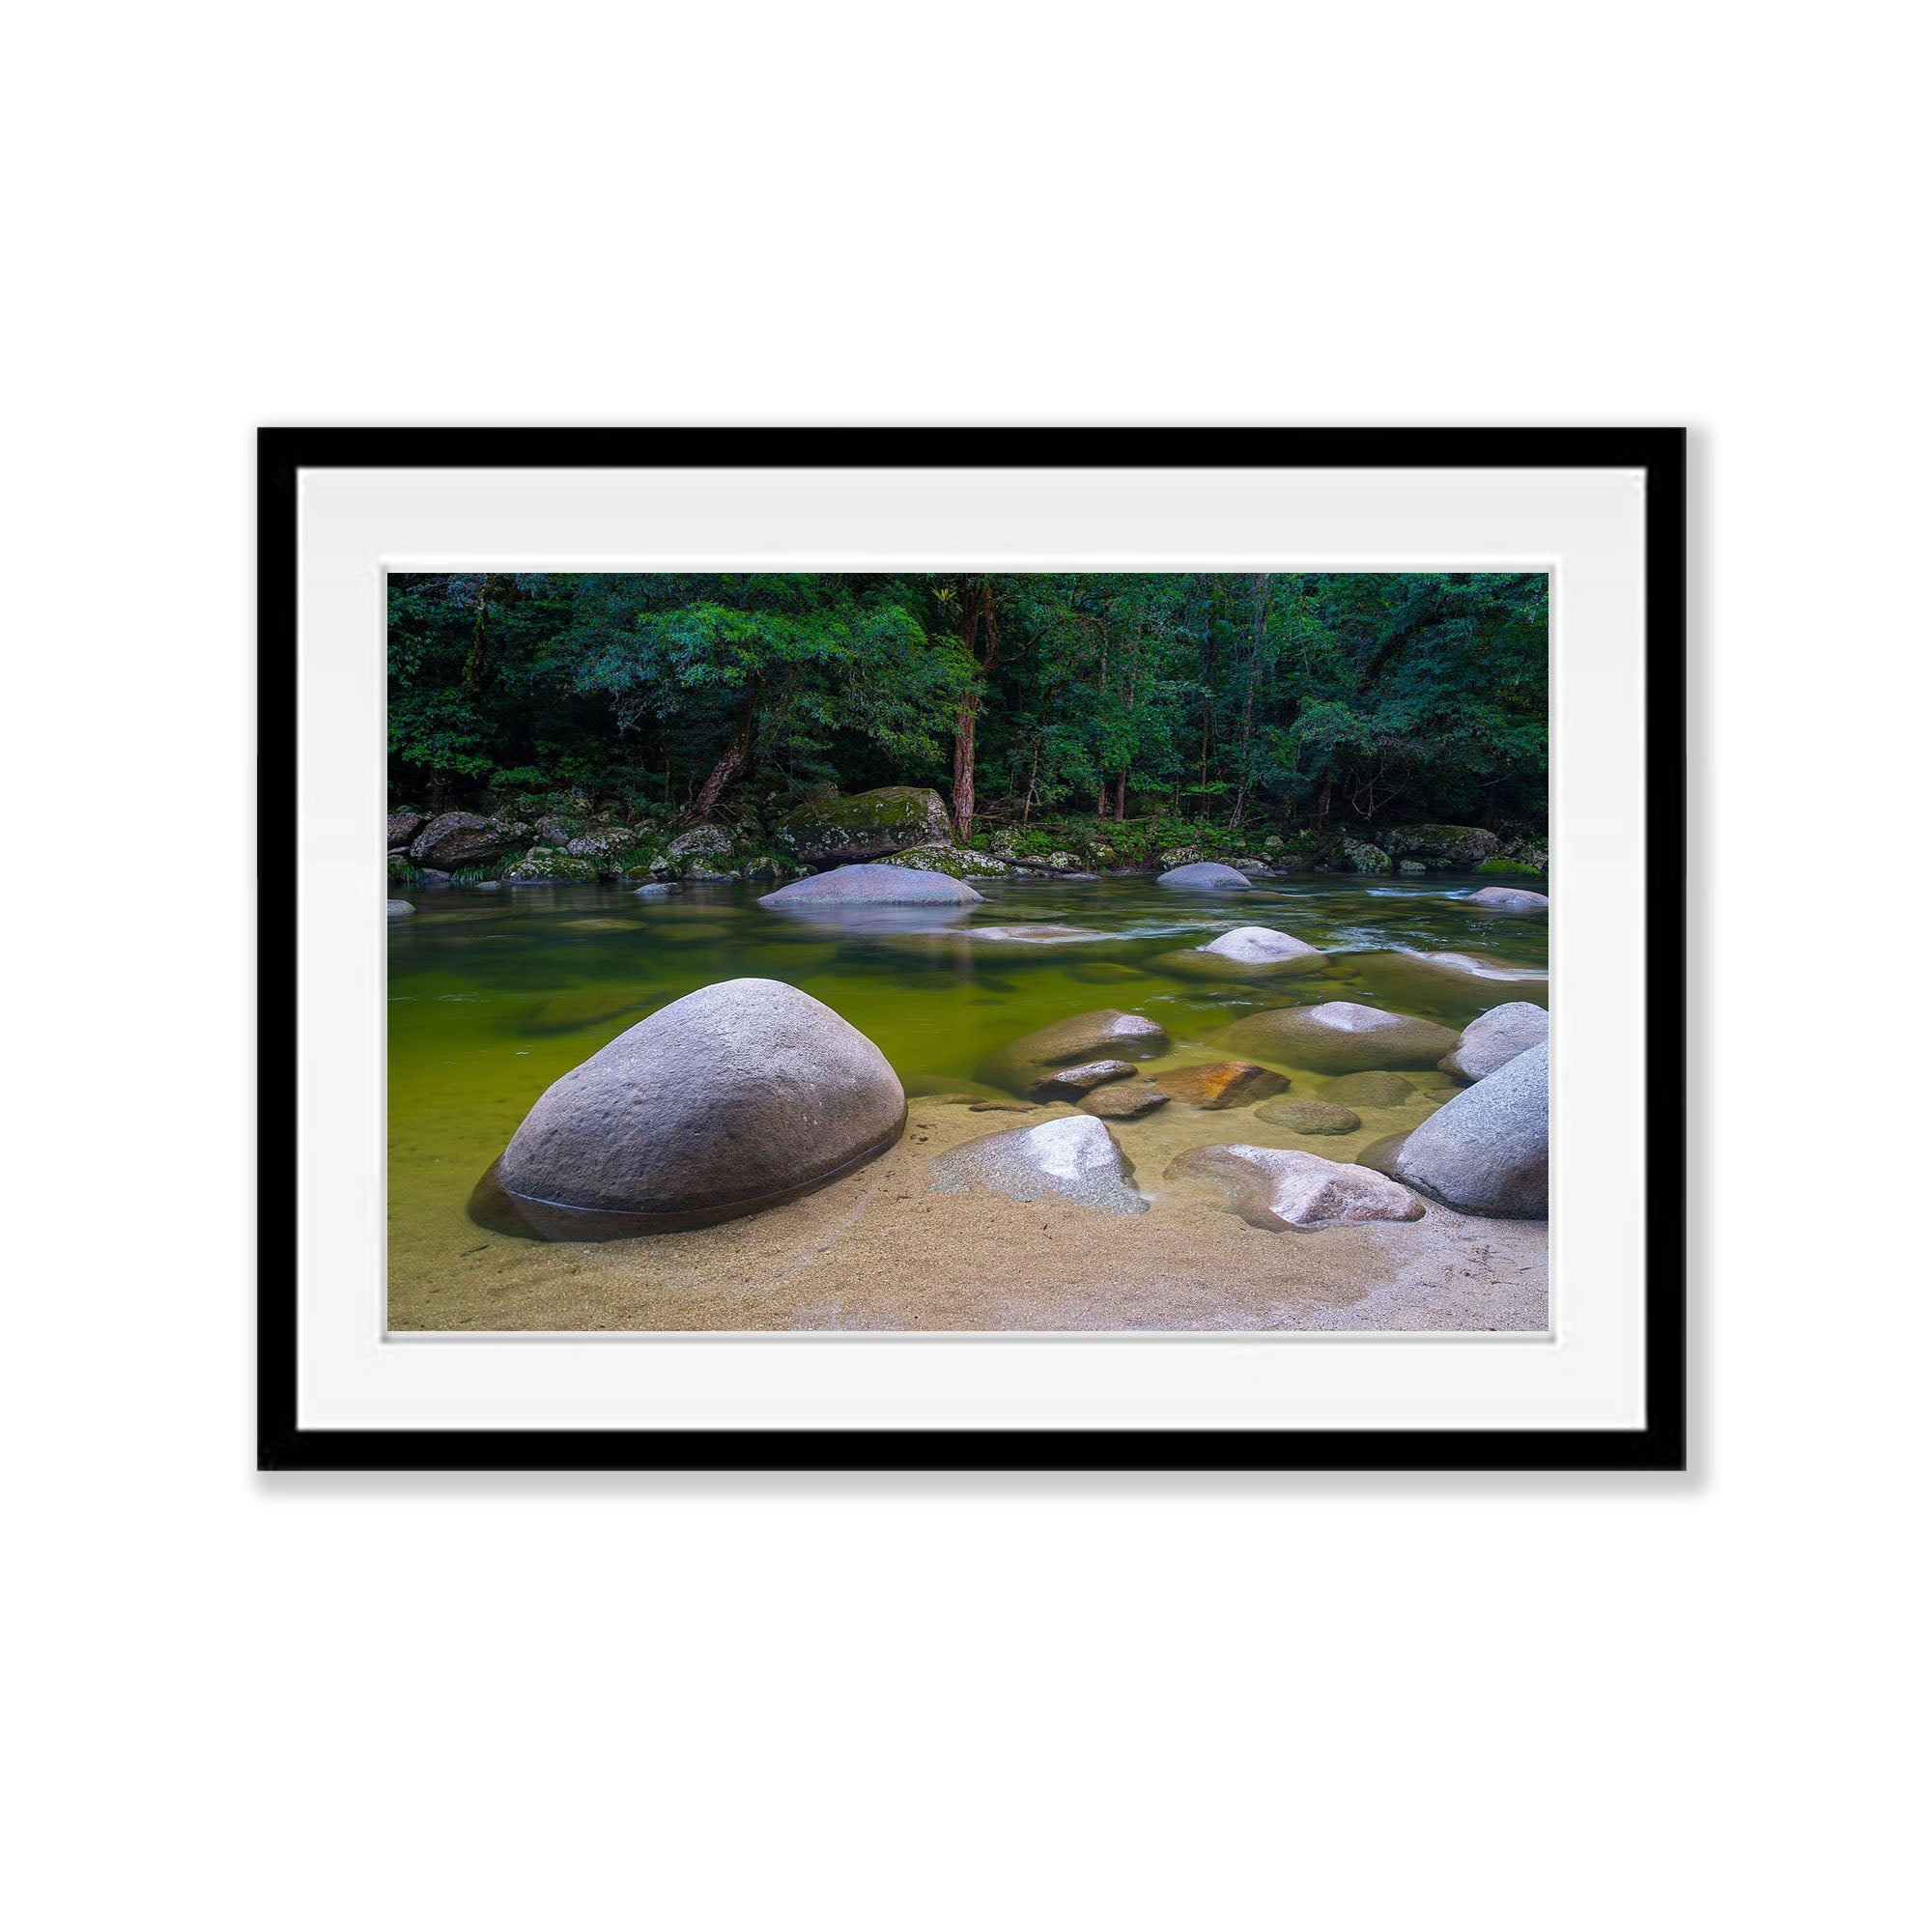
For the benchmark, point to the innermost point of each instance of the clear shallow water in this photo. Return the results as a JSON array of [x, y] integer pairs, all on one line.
[[495, 994]]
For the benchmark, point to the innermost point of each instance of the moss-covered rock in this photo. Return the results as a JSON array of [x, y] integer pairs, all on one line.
[[545, 864], [1354, 856], [955, 861], [1441, 848], [869, 825]]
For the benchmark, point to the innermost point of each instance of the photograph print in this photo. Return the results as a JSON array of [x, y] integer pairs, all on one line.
[[972, 952]]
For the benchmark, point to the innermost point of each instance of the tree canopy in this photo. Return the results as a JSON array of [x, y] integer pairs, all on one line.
[[1317, 699]]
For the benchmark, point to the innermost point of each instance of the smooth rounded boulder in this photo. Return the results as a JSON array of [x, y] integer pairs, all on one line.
[[1494, 1038], [1340, 1037], [400, 908], [1073, 1157], [1282, 1187], [1487, 1151], [1205, 877], [1249, 951], [873, 885], [738, 1097], [1507, 898], [1107, 1033], [1310, 1117], [456, 839]]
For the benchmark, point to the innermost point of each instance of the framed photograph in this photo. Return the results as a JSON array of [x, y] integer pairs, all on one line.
[[972, 949]]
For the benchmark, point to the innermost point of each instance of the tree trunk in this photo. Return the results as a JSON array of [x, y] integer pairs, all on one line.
[[965, 730], [727, 767], [1120, 797]]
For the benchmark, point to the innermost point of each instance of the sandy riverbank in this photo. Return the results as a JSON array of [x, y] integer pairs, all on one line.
[[882, 1250]]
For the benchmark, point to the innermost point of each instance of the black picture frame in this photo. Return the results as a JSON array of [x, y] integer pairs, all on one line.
[[1660, 1444]]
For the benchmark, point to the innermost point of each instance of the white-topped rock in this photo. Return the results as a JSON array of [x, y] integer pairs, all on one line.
[[1340, 1037], [1073, 1157], [1283, 1187]]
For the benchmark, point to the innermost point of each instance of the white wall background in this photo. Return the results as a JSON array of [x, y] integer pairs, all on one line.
[[890, 1703]]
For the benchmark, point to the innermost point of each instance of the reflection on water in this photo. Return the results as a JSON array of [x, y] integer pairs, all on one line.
[[494, 995]]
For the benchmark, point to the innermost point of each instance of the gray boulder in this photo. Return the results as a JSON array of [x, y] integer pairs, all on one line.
[[958, 861], [1123, 1100], [459, 838], [875, 885], [1487, 1151], [1074, 1158], [1340, 1037], [1495, 1039], [400, 908], [1248, 953], [546, 866], [738, 1097], [656, 888], [867, 825], [1309, 1116], [1507, 898], [1071, 1083], [403, 826], [1206, 877], [1283, 1187], [701, 841], [1106, 1034], [1355, 856], [552, 831]]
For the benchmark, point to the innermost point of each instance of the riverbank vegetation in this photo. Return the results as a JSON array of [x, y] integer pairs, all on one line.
[[1204, 709]]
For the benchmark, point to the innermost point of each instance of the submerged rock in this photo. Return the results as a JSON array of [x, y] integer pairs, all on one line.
[[1249, 951], [867, 825], [1495, 1039], [1204, 876], [563, 1013], [1309, 1116], [1123, 1100], [1073, 1157], [400, 908], [738, 1097], [873, 885], [1457, 979], [1487, 1151], [1105, 1033], [1282, 1187], [1224, 1082], [1070, 1083], [1368, 1090], [1340, 1037], [1507, 898]]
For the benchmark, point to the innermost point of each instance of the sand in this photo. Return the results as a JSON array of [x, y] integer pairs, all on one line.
[[881, 1249]]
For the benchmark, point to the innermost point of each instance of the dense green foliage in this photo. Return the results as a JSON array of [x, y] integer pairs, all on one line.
[[1315, 700]]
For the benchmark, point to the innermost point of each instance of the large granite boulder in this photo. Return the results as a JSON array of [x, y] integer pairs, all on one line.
[[867, 825], [1107, 1033], [1248, 953], [1440, 848], [1507, 898], [1073, 1158], [1282, 1187], [403, 826], [873, 885], [1074, 1083], [956, 862], [1205, 877], [1487, 1151], [738, 1097], [458, 838], [1340, 1037], [1495, 1039]]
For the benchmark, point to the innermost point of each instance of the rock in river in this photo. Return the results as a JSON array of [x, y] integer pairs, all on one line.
[[1226, 1082], [1070, 1083], [1340, 1037], [1495, 1039], [1247, 953], [1368, 1090], [400, 908], [873, 885], [1282, 1187], [1309, 1116], [738, 1097], [1074, 1157], [1206, 877], [1507, 898], [1123, 1100], [1487, 1151], [1106, 1034]]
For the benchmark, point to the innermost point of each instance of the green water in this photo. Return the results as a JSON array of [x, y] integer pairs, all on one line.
[[493, 994]]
